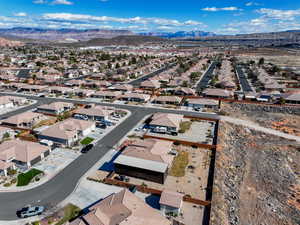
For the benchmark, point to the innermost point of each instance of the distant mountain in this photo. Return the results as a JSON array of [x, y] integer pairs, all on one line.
[[62, 34], [180, 34], [132, 40]]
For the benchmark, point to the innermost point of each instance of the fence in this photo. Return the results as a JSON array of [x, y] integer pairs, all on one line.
[[188, 143], [152, 191]]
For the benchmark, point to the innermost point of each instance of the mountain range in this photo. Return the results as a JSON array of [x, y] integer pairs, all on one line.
[[68, 35], [91, 36], [73, 35], [180, 34]]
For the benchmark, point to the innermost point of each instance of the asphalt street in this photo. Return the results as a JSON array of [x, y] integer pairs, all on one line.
[[59, 187], [138, 81]]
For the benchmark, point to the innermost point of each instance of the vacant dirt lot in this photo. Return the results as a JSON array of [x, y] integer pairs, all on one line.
[[256, 179], [287, 123]]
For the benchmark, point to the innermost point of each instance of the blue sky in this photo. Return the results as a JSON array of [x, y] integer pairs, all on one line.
[[219, 16]]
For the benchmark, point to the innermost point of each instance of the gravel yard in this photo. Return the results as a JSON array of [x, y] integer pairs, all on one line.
[[199, 132]]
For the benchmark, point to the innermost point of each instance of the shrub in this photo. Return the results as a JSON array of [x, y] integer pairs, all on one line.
[[6, 184], [13, 181], [11, 172]]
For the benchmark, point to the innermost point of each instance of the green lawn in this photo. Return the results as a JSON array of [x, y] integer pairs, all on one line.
[[70, 211], [86, 141], [25, 178]]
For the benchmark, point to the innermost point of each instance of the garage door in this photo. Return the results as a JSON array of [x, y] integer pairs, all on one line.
[[36, 160], [46, 153]]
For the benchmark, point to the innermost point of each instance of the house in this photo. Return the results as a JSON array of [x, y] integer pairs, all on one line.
[[169, 121], [98, 84], [147, 159], [5, 102], [123, 208], [18, 100], [11, 101], [217, 93], [21, 153], [170, 100], [67, 132], [150, 84], [170, 202], [24, 120], [227, 84], [184, 91], [123, 87], [292, 98], [107, 94], [75, 83], [135, 97], [60, 90], [33, 88], [55, 108], [202, 103], [96, 113], [84, 92]]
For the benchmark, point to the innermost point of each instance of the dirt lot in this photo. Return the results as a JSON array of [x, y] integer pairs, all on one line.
[[286, 123], [256, 179]]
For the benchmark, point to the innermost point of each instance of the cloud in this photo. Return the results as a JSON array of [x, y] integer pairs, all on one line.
[[252, 4], [39, 2], [279, 14], [85, 21], [62, 2], [215, 9], [131, 20], [21, 14]]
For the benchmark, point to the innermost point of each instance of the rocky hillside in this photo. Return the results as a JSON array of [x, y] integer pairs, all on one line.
[[256, 177], [8, 43]]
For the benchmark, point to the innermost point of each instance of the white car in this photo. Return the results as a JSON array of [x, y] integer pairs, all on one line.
[[30, 211]]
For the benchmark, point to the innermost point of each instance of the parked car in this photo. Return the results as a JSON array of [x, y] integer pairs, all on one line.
[[161, 130], [41, 95], [87, 148], [108, 123], [80, 117], [173, 133], [30, 211], [101, 125]]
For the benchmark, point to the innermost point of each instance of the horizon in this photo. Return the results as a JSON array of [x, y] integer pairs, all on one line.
[[146, 32], [229, 18]]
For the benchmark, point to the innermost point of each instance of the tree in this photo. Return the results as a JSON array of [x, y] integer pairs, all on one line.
[[6, 135], [261, 61]]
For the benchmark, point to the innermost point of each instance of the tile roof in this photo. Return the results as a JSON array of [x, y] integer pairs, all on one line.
[[166, 119], [23, 151], [25, 117], [171, 198], [56, 105], [67, 129], [150, 149], [124, 208]]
